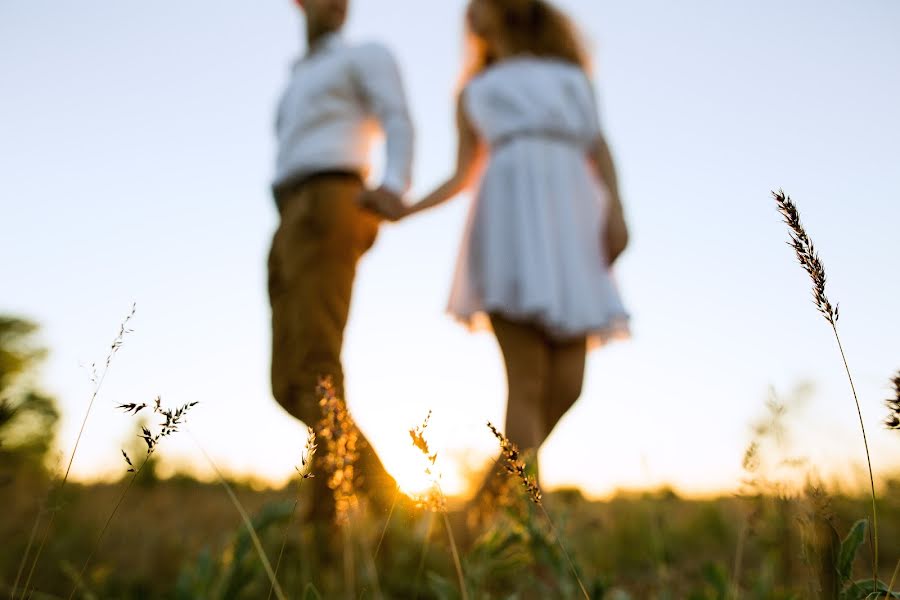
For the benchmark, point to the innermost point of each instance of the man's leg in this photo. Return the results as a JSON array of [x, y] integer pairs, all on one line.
[[311, 271]]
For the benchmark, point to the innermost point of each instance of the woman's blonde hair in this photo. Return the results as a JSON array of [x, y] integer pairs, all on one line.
[[528, 27]]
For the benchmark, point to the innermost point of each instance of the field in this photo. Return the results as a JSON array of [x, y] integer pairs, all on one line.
[[181, 538]]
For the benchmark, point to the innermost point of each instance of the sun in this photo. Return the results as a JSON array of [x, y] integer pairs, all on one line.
[[409, 468]]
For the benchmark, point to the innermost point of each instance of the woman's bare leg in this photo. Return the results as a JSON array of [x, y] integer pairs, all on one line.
[[566, 376], [527, 358]]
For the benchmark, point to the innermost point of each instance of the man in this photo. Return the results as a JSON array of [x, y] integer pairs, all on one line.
[[337, 97]]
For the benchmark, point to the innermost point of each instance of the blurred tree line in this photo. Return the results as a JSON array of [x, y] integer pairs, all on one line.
[[28, 417]]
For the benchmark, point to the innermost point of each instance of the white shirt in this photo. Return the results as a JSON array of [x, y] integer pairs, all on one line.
[[329, 115]]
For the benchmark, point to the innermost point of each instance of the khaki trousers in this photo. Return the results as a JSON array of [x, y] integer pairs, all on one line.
[[312, 264]]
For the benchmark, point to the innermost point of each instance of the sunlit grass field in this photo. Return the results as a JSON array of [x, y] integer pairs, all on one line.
[[180, 538]]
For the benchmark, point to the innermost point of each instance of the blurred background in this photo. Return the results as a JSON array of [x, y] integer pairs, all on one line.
[[136, 149]]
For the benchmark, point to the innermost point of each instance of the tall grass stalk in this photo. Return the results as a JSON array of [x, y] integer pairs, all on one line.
[[349, 563], [369, 565], [516, 467], [174, 418], [80, 577], [874, 534], [893, 579], [809, 260], [246, 519], [424, 554], [283, 544], [31, 538], [33, 595], [738, 562], [98, 384], [305, 472], [435, 500], [386, 523], [565, 552], [456, 562]]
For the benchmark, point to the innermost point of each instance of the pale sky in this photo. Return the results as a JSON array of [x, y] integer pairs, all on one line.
[[136, 149]]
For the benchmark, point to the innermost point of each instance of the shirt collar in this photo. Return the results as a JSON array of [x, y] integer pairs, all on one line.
[[326, 43]]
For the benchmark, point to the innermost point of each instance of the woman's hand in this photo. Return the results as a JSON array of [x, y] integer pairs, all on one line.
[[615, 235], [470, 154], [383, 202]]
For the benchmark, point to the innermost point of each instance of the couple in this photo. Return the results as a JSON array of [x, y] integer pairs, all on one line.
[[545, 225]]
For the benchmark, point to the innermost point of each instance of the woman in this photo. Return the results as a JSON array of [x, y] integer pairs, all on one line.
[[547, 221]]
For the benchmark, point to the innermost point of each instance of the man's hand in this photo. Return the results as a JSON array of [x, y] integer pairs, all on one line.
[[384, 202]]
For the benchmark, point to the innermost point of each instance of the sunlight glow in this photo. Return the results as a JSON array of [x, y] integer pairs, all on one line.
[[409, 469]]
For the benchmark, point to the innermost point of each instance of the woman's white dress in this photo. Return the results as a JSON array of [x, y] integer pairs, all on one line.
[[532, 247]]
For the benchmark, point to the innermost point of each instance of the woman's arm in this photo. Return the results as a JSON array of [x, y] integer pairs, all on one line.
[[606, 169], [615, 237], [470, 153]]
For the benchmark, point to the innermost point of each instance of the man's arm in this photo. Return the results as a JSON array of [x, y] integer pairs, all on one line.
[[382, 88], [470, 153]]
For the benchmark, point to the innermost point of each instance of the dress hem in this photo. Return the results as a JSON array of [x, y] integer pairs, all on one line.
[[614, 329]]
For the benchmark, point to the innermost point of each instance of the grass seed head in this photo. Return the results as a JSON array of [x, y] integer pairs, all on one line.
[[892, 421], [128, 462], [433, 499], [418, 439], [516, 466], [806, 255], [305, 468], [341, 438]]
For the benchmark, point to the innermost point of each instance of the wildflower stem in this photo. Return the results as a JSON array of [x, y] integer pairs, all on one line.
[[247, 523], [456, 561], [565, 552], [369, 565], [809, 260], [387, 522], [873, 534], [106, 525], [34, 530], [284, 537], [425, 552], [738, 562], [117, 342], [890, 593], [349, 568]]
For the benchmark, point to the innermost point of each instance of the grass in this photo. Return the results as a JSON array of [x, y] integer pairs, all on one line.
[[182, 532], [517, 468], [812, 264], [251, 531], [305, 472], [97, 381]]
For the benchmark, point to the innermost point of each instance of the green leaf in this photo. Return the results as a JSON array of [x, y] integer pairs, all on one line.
[[849, 548], [862, 589]]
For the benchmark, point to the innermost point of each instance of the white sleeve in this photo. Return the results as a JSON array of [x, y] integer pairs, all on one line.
[[382, 88]]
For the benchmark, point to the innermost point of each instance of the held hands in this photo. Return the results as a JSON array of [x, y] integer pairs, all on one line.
[[384, 203]]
